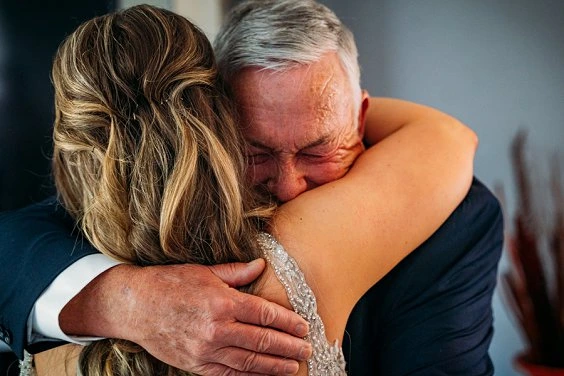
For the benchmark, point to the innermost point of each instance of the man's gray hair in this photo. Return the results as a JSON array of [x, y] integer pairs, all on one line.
[[278, 34]]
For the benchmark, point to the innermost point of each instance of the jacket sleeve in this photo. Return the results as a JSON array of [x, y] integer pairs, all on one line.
[[432, 315], [36, 244]]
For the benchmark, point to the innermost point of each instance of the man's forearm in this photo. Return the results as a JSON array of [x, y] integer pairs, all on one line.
[[102, 308]]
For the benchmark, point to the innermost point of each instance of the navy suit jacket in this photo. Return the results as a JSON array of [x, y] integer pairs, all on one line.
[[430, 316], [36, 244]]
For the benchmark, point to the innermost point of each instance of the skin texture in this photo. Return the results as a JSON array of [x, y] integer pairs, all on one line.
[[300, 125]]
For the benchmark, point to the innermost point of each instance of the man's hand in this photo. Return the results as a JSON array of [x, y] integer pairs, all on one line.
[[191, 317]]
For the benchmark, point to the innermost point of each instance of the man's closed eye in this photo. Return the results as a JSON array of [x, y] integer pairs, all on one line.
[[258, 158]]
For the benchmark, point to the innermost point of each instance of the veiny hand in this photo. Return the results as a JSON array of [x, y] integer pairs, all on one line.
[[191, 317]]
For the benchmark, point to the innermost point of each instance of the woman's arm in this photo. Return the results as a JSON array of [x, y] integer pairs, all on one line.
[[384, 116], [348, 234], [62, 360]]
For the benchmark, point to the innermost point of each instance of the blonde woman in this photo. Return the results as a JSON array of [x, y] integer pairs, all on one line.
[[148, 160]]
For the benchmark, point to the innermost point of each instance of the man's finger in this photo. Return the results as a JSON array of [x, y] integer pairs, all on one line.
[[239, 274], [247, 361], [261, 312], [216, 369], [263, 340]]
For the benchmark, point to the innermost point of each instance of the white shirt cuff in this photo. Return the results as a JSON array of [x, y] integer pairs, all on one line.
[[4, 347], [43, 321]]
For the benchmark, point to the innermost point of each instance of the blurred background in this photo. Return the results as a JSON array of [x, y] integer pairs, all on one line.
[[495, 65]]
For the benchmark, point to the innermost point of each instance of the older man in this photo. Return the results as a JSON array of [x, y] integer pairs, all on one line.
[[293, 69]]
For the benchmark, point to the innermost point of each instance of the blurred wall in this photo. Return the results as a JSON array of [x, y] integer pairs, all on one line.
[[207, 14], [496, 65]]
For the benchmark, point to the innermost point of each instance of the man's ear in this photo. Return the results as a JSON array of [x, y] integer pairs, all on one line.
[[365, 101]]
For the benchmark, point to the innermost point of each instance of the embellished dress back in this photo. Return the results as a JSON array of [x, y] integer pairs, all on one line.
[[327, 359]]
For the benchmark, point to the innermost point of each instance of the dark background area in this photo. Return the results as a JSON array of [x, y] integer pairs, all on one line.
[[30, 32]]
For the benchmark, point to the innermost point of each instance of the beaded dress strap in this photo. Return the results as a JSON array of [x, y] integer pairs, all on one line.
[[327, 359]]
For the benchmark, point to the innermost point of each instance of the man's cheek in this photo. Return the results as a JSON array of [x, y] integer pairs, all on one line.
[[326, 173]]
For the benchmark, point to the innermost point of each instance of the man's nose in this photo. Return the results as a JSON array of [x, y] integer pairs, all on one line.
[[288, 184]]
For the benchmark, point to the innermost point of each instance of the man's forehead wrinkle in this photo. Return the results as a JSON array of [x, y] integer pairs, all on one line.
[[326, 84], [256, 143], [298, 142], [321, 140], [325, 110]]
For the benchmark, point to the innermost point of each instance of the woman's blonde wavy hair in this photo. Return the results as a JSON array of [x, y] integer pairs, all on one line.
[[147, 155]]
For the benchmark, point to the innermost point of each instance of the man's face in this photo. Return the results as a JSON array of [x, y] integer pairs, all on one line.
[[300, 126]]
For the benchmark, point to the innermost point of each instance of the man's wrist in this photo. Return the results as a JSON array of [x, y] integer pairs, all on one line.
[[43, 321], [101, 308]]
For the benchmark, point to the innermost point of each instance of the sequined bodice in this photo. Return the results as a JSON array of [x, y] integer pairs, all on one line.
[[327, 359]]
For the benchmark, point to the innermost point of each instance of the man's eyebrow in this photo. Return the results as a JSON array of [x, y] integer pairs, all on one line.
[[320, 141], [258, 144]]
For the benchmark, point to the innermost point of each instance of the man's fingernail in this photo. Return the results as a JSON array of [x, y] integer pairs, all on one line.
[[256, 263], [301, 329], [305, 352], [291, 368]]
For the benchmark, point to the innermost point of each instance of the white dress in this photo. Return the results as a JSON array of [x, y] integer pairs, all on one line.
[[327, 359]]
